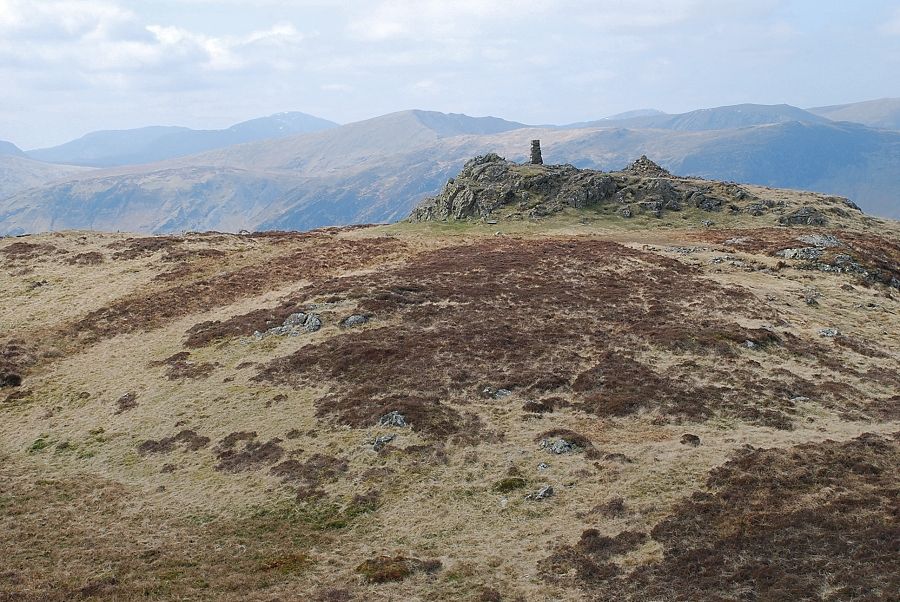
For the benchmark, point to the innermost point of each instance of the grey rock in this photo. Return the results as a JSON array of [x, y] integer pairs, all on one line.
[[804, 216], [543, 466], [295, 319], [559, 446], [354, 320], [708, 223], [690, 439], [312, 323], [822, 241], [393, 418], [626, 212], [541, 494], [755, 209], [829, 332], [748, 344], [382, 441], [808, 253]]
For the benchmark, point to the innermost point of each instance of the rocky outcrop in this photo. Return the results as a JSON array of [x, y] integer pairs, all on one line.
[[489, 183]]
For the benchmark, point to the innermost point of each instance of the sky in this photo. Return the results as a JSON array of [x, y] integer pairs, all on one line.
[[68, 67]]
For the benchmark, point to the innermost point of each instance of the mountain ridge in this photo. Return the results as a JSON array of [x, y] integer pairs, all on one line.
[[114, 148]]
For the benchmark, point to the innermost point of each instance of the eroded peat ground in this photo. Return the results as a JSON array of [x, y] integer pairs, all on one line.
[[570, 412]]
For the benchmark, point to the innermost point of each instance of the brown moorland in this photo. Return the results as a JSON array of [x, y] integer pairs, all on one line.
[[582, 407]]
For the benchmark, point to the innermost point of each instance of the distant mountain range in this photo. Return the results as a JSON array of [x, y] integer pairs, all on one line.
[[158, 143], [377, 169], [882, 113], [8, 149]]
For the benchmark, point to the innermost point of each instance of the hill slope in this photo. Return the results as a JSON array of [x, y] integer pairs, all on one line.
[[882, 113], [575, 406], [20, 173], [718, 118], [8, 149], [158, 143]]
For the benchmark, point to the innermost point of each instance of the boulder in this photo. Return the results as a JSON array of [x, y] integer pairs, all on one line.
[[804, 216]]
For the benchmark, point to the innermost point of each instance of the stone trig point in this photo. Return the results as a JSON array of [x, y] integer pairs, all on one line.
[[536, 158]]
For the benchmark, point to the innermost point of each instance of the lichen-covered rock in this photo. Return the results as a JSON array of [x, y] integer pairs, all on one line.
[[804, 216]]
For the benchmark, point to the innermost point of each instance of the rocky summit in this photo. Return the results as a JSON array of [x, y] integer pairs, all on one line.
[[490, 186]]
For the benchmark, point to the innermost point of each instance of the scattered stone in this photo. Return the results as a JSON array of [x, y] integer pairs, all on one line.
[[492, 393], [543, 466], [748, 344], [541, 494], [804, 216], [822, 241], [829, 332], [647, 168], [626, 212], [690, 439], [737, 240], [708, 223], [382, 441], [393, 418], [559, 446], [354, 320], [296, 319], [312, 323], [808, 253], [798, 399]]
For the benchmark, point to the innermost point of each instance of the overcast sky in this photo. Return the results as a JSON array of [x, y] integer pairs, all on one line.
[[72, 66]]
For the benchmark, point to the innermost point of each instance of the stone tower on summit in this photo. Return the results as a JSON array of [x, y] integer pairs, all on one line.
[[536, 158]]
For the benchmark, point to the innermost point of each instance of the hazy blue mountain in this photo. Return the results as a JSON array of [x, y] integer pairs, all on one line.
[[718, 118], [882, 113], [158, 143], [635, 113], [8, 149], [376, 170], [19, 173]]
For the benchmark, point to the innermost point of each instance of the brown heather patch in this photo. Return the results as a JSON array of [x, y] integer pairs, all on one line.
[[15, 358], [147, 310], [383, 569], [253, 456], [24, 251], [89, 258], [818, 521], [859, 346], [179, 367], [138, 247], [539, 317], [315, 470], [188, 439], [588, 562]]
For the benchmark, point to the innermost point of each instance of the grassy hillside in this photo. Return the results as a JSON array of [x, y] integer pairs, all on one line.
[[716, 418]]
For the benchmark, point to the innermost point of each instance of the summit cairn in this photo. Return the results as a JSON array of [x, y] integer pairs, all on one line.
[[646, 168], [536, 158]]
